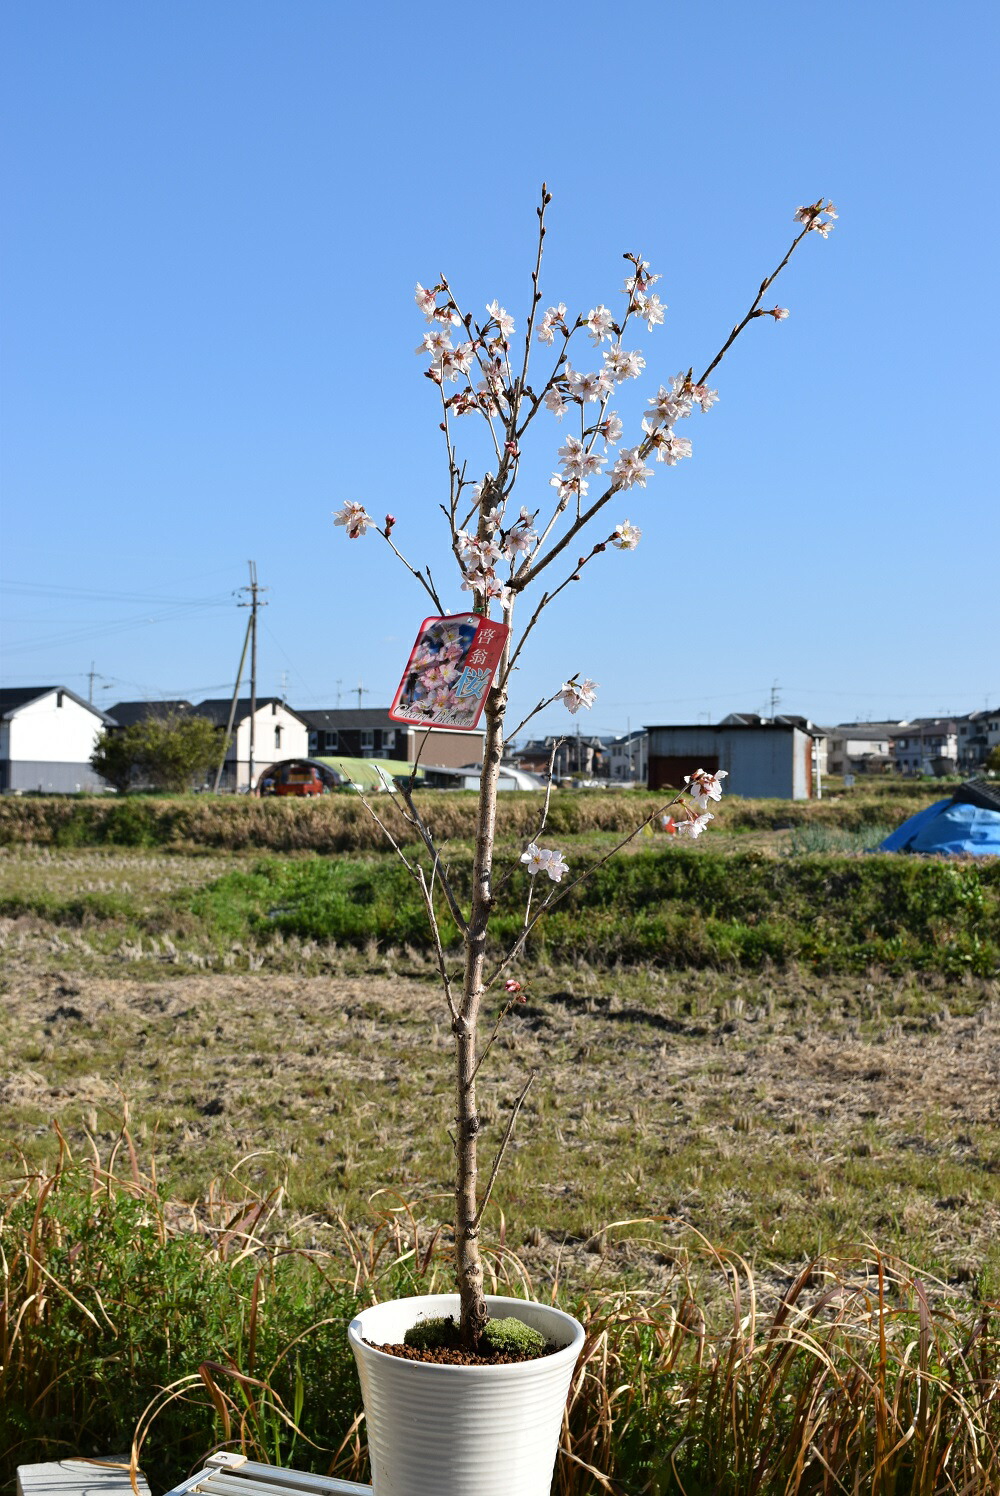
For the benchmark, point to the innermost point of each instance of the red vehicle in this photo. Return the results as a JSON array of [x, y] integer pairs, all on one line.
[[297, 779]]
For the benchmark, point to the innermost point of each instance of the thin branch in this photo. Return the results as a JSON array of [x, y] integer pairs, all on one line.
[[556, 745], [548, 597], [411, 869], [557, 897], [425, 836], [768, 280], [490, 1041], [536, 295], [528, 575], [428, 894], [427, 585], [535, 710], [502, 1150]]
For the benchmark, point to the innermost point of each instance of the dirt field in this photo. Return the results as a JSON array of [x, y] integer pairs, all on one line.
[[783, 1115]]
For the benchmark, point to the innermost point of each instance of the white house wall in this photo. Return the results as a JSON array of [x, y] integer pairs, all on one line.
[[294, 742], [48, 747]]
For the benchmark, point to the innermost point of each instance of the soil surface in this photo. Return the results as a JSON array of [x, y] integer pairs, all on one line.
[[451, 1355]]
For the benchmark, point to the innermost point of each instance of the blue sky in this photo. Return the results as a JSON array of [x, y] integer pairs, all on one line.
[[216, 217]]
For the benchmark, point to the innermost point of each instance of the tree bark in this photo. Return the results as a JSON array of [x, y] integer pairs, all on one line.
[[469, 1262]]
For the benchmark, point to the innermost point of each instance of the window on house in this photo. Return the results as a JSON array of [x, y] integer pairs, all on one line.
[[277, 737], [313, 742], [368, 737], [389, 740], [331, 742]]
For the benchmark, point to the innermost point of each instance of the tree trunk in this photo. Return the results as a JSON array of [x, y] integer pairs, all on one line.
[[469, 1263]]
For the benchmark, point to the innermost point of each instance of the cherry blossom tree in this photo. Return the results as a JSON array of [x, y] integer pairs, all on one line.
[[483, 371]]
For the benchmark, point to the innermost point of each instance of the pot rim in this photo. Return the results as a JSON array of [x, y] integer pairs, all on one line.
[[496, 1304]]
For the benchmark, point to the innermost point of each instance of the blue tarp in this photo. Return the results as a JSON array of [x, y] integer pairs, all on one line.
[[950, 827]]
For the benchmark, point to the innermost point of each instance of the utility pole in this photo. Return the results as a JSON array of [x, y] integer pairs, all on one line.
[[361, 690], [775, 699], [232, 718], [338, 684], [254, 589], [91, 673]]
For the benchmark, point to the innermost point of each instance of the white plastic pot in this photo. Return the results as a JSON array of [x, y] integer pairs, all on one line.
[[462, 1430]]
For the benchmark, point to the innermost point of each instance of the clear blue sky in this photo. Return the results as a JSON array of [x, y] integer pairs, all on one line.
[[215, 218]]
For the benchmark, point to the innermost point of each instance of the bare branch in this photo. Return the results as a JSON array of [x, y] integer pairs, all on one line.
[[528, 574], [767, 281], [557, 897], [503, 1148], [428, 894], [425, 836], [427, 585]]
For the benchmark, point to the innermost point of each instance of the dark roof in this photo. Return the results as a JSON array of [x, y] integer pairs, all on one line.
[[865, 732], [978, 792], [739, 722], [127, 713], [217, 710], [351, 718], [331, 719], [14, 697]]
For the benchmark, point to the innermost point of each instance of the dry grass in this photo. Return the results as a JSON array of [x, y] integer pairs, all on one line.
[[781, 1114], [339, 823], [191, 1330]]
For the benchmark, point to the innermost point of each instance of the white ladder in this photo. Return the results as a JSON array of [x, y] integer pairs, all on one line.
[[234, 1475]]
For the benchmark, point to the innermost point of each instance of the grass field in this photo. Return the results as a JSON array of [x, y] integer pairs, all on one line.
[[821, 1073]]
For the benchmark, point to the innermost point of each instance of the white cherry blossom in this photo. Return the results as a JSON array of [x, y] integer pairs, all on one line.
[[555, 866], [630, 469], [626, 536], [502, 318], [436, 342], [696, 827], [601, 324], [650, 308], [576, 461], [355, 519], [567, 487], [704, 397], [703, 787], [578, 693], [426, 301], [555, 402], [555, 316], [611, 428], [587, 387], [622, 363], [535, 858]]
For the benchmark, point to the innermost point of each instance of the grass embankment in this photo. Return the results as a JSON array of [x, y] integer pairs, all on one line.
[[860, 1376], [340, 823], [663, 905]]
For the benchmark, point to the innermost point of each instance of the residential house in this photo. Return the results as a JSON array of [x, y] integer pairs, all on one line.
[[47, 735], [628, 757], [927, 745], [861, 747], [763, 757], [978, 735], [279, 733], [369, 732], [576, 757]]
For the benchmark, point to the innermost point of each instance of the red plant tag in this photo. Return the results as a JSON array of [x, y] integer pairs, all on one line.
[[450, 669]]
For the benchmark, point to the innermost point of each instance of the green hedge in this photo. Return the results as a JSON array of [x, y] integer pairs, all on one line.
[[672, 907]]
